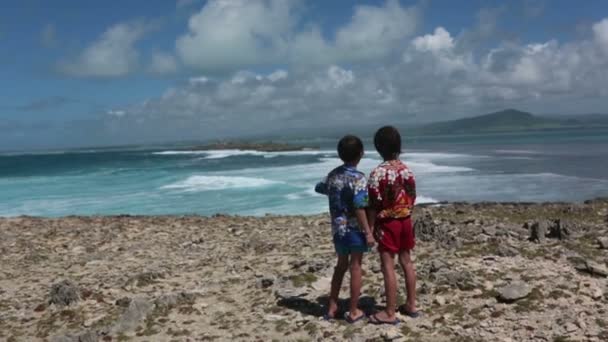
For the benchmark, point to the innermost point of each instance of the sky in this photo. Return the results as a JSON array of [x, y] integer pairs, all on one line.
[[87, 73]]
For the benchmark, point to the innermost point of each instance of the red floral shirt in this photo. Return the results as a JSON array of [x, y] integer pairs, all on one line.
[[392, 190]]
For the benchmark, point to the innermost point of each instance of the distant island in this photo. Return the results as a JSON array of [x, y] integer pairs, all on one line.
[[510, 120], [253, 146]]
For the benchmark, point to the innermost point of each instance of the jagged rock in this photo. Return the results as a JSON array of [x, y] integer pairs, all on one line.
[[463, 280], [513, 292], [538, 230], [64, 293], [436, 265], [89, 336], [392, 334], [124, 302], [439, 300], [145, 278], [137, 311], [426, 228], [264, 282], [169, 301], [288, 293], [603, 242], [561, 229], [490, 231], [504, 250], [593, 268], [316, 266]]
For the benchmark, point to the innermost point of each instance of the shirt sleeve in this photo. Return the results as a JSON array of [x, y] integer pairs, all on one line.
[[360, 198], [373, 190], [321, 187]]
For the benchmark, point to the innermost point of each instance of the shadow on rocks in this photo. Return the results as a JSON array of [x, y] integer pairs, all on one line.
[[318, 308]]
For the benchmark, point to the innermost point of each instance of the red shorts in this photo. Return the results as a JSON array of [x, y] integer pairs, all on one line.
[[395, 235]]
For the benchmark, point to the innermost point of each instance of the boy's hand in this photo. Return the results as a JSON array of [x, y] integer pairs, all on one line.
[[371, 241]]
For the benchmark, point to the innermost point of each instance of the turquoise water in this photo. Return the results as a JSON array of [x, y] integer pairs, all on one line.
[[533, 166]]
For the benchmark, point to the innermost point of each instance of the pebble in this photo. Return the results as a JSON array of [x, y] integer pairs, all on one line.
[[513, 292]]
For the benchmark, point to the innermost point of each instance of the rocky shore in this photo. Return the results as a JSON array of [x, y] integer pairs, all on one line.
[[486, 272]]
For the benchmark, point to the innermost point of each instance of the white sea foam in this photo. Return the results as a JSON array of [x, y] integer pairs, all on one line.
[[428, 167], [220, 154], [206, 183], [517, 152]]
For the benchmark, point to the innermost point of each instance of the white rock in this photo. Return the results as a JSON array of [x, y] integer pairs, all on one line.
[[439, 300], [570, 327], [392, 334], [272, 318]]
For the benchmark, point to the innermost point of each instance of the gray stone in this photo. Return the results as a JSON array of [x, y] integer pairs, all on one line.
[[145, 278], [124, 302], [561, 229], [315, 266], [290, 293], [392, 335], [490, 231], [88, 336], [137, 311], [504, 250], [64, 293], [425, 228], [513, 292], [538, 230], [463, 280], [603, 242], [436, 265], [596, 269], [172, 300]]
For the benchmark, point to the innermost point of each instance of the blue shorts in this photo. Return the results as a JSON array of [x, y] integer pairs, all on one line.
[[351, 242]]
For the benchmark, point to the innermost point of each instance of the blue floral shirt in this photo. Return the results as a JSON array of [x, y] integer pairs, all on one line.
[[346, 188]]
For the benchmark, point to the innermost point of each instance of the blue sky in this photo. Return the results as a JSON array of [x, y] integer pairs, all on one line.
[[77, 73]]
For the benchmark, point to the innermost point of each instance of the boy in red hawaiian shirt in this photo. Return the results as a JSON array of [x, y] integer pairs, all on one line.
[[392, 193]]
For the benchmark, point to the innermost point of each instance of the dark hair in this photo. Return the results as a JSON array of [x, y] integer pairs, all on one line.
[[388, 142], [350, 148]]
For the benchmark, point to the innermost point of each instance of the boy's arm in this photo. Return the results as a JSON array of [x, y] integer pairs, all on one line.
[[361, 215], [361, 202], [321, 187], [371, 217]]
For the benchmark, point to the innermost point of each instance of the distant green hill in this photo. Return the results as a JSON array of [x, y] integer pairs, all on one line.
[[511, 120]]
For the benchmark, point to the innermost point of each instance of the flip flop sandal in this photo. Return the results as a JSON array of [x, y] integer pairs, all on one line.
[[348, 319], [373, 319]]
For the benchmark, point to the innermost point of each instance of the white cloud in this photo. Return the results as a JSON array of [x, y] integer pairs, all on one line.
[[374, 32], [112, 54], [437, 75], [600, 31], [440, 40], [163, 63], [278, 75], [234, 33], [228, 34]]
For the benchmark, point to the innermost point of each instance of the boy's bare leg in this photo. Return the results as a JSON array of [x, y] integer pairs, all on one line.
[[355, 284], [336, 284], [410, 280], [390, 286]]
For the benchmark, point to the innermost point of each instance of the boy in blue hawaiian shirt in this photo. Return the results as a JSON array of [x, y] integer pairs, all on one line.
[[346, 188]]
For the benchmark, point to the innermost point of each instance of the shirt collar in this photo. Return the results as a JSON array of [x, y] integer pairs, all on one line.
[[349, 167]]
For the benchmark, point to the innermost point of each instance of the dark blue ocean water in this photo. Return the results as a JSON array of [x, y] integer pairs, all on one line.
[[565, 165]]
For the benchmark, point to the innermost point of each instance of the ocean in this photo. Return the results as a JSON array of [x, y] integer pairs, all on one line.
[[564, 165]]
